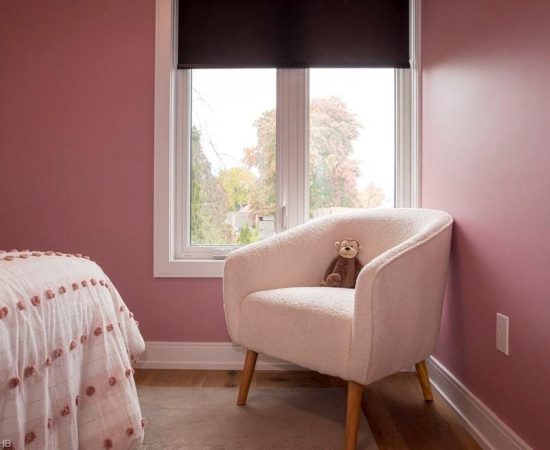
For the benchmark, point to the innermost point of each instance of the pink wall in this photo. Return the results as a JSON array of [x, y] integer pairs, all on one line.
[[76, 174], [76, 152], [486, 160]]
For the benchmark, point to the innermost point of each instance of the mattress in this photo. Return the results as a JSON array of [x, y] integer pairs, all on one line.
[[67, 343]]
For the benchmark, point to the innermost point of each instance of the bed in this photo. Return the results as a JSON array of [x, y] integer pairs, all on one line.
[[67, 344]]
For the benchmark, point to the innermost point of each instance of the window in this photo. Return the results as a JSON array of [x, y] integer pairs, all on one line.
[[231, 180], [229, 173], [351, 140], [256, 151]]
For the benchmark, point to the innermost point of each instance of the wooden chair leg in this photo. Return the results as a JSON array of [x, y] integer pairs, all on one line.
[[355, 392], [422, 372], [248, 371]]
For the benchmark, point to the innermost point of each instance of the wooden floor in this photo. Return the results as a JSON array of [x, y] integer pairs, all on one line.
[[397, 414]]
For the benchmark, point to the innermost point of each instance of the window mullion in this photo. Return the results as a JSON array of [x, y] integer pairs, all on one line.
[[292, 147]]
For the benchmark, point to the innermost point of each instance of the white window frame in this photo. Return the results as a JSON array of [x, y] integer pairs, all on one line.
[[173, 257]]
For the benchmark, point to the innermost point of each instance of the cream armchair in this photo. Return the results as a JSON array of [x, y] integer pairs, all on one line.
[[390, 321]]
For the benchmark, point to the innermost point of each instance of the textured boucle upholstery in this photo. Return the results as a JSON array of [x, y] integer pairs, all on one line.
[[300, 315], [273, 305]]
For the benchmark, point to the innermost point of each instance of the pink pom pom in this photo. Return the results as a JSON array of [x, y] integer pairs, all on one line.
[[83, 339], [62, 290], [57, 353], [93, 281], [129, 431], [49, 252], [48, 361], [107, 443], [24, 255], [58, 254], [113, 381], [29, 371], [121, 309], [74, 286], [36, 254], [8, 258], [72, 345], [84, 283], [35, 300], [90, 390], [102, 282], [98, 331], [50, 294], [14, 382], [66, 410], [4, 311], [131, 315], [110, 327], [128, 372], [29, 437], [21, 305]]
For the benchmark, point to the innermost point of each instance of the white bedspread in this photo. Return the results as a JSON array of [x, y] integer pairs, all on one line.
[[67, 341]]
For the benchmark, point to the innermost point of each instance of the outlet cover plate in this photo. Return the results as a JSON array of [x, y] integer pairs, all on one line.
[[503, 328]]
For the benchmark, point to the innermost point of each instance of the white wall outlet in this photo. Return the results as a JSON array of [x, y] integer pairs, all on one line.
[[503, 327]]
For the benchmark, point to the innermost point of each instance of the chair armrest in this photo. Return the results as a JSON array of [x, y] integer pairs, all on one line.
[[398, 304], [297, 257]]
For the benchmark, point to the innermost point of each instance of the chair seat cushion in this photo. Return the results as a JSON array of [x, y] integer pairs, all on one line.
[[308, 326]]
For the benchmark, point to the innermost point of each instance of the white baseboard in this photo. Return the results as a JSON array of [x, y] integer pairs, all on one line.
[[206, 356], [483, 424], [203, 355]]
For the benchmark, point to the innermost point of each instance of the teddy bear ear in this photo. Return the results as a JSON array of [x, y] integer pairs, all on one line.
[[337, 245]]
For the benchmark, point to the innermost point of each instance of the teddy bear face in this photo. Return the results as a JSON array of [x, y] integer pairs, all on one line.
[[348, 248]]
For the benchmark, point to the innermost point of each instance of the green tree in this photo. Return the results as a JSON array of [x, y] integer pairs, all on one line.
[[247, 235], [208, 202], [237, 183]]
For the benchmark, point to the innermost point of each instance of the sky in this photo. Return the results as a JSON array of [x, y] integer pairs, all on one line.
[[226, 102]]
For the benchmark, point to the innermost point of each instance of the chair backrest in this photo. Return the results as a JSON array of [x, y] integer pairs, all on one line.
[[379, 230]]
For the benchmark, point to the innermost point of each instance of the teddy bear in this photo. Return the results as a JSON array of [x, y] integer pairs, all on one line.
[[345, 268]]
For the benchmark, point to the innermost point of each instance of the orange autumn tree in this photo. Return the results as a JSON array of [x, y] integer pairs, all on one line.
[[333, 175], [333, 171]]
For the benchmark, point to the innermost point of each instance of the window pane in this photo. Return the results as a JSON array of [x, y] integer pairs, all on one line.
[[233, 189], [351, 140]]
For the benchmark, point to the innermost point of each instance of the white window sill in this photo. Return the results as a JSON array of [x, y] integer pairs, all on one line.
[[189, 268]]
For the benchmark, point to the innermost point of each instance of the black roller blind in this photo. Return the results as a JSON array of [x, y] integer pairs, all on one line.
[[287, 34]]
